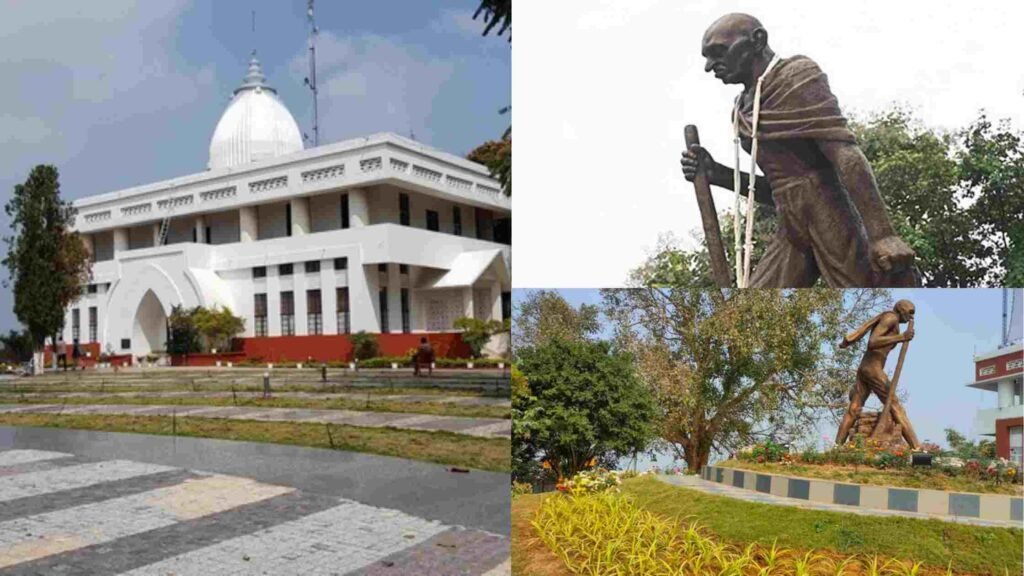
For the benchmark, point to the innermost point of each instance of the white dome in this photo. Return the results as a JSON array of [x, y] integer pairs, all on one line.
[[255, 126]]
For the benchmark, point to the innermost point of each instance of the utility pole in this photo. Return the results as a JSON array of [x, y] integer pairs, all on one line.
[[311, 80]]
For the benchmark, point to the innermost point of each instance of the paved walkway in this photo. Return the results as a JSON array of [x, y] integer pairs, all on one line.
[[479, 427], [67, 513], [409, 398], [698, 483]]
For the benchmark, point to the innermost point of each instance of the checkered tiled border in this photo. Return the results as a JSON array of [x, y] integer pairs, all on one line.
[[982, 506]]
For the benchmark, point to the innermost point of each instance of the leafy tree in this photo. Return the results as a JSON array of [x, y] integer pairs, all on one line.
[[217, 326], [525, 467], [48, 263], [585, 404], [991, 171], [184, 336], [364, 345], [964, 448], [496, 155], [17, 346], [496, 13], [545, 315], [477, 333], [732, 367], [957, 198]]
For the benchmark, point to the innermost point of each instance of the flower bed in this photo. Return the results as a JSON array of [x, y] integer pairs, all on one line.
[[861, 452]]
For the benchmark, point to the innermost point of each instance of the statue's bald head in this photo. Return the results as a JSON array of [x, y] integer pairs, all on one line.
[[731, 44], [905, 310], [732, 26]]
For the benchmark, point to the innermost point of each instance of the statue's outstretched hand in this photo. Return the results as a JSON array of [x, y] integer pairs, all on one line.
[[891, 254], [694, 159]]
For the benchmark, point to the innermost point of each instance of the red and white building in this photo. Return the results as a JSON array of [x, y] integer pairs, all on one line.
[[1002, 371], [379, 234]]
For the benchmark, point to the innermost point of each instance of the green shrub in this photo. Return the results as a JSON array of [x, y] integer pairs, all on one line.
[[364, 345]]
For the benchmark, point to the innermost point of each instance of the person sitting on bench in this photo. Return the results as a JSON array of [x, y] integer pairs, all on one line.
[[424, 356]]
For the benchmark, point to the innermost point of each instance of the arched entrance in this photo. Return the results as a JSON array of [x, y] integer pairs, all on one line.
[[149, 332]]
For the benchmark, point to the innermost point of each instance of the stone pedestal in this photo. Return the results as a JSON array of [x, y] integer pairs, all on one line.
[[891, 433]]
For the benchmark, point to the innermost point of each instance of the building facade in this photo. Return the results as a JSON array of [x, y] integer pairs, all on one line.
[[1002, 371], [379, 234]]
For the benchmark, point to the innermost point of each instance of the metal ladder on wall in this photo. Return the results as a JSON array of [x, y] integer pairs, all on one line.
[[165, 228]]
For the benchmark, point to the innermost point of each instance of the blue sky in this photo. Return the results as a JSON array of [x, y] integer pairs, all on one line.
[[950, 326], [120, 93]]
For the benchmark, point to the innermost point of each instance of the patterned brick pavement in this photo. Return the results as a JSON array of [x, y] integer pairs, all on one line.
[[64, 514]]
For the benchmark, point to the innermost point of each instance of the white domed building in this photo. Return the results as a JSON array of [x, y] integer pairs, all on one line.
[[379, 234]]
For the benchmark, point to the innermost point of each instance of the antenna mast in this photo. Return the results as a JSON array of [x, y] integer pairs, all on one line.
[[311, 81], [1005, 336]]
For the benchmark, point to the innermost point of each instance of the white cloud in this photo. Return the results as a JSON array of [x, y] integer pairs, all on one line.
[[371, 83]]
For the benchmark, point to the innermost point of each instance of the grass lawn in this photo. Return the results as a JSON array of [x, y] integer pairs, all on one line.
[[926, 478], [530, 556], [972, 549], [369, 404], [492, 454], [113, 386]]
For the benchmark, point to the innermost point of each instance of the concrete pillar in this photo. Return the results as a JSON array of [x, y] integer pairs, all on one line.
[[300, 216], [496, 301], [358, 208], [120, 240], [467, 302], [394, 299], [299, 288], [156, 234], [329, 297], [201, 229], [363, 286], [1005, 391], [248, 224], [273, 301]]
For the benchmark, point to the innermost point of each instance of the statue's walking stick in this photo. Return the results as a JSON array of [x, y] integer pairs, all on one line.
[[709, 218], [887, 407]]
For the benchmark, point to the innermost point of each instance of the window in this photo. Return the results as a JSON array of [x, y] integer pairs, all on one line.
[[259, 272], [126, 343], [457, 221], [314, 315], [312, 266], [382, 297], [506, 305], [341, 263], [76, 325], [208, 236], [260, 315], [285, 269], [288, 219], [287, 314], [432, 221], [195, 236], [403, 268], [382, 267], [343, 316], [403, 209], [405, 310], [91, 289], [92, 323], [344, 211]]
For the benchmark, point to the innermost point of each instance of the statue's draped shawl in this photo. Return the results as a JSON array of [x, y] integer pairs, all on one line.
[[866, 327], [796, 102]]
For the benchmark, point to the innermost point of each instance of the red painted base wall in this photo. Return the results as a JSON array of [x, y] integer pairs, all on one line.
[[1003, 435], [339, 346]]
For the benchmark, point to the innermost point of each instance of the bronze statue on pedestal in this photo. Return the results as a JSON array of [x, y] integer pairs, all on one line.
[[884, 331]]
